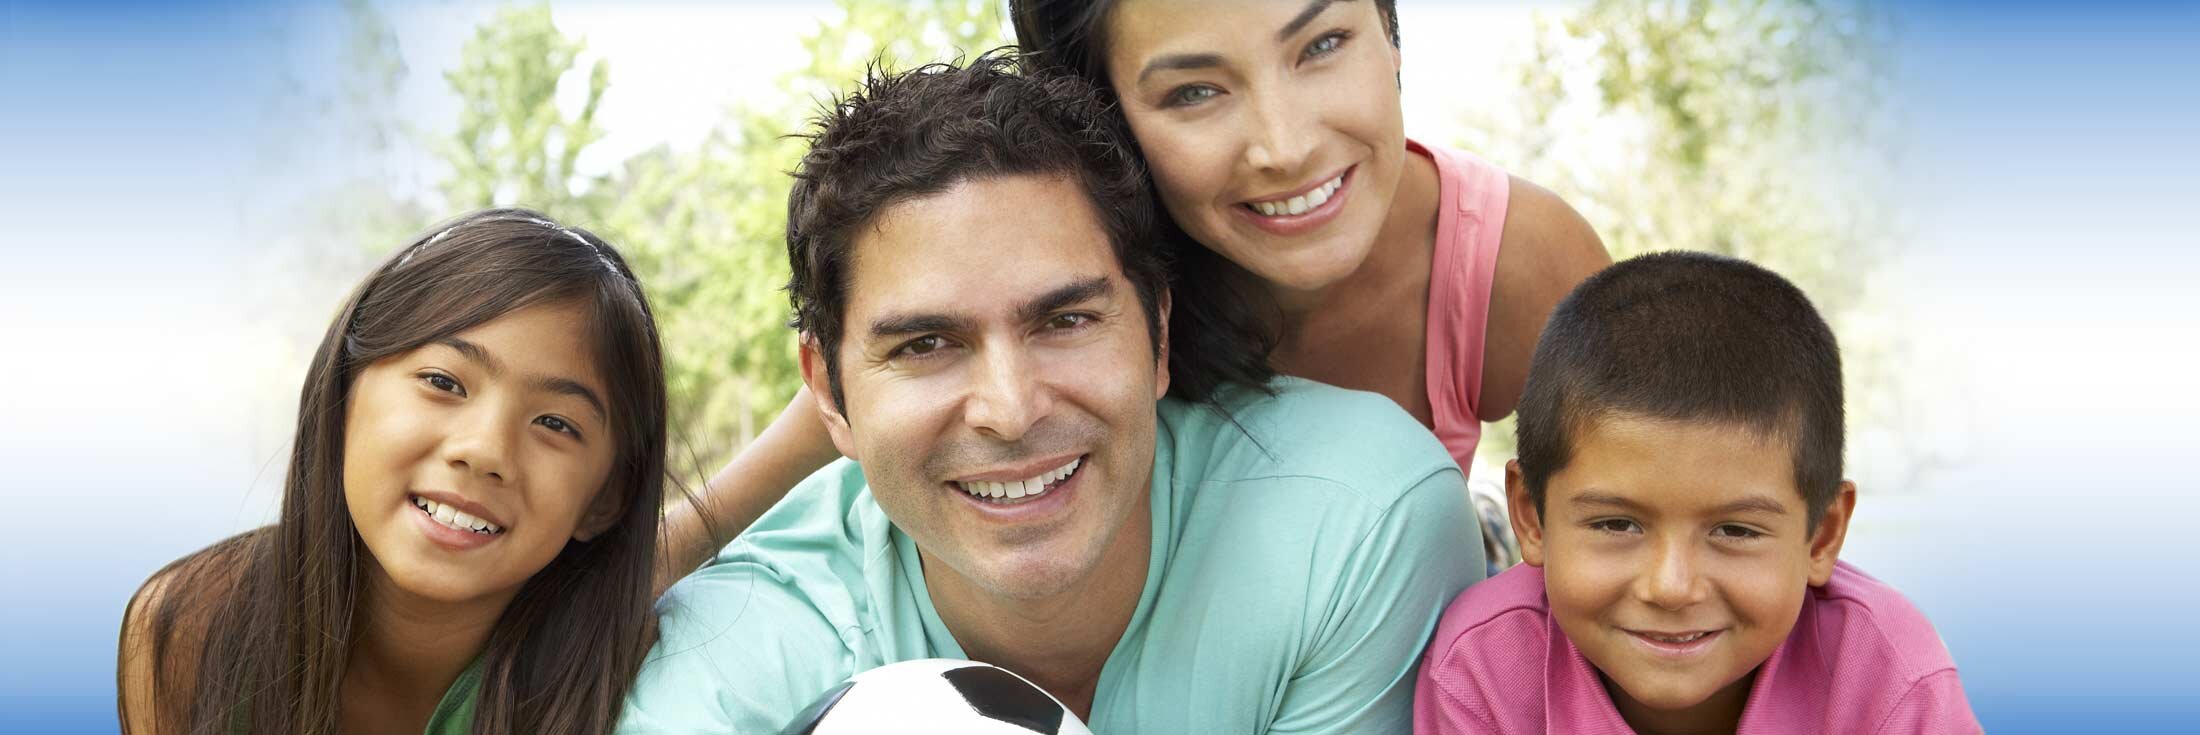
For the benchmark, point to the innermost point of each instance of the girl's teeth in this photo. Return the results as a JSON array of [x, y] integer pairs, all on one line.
[[455, 518]]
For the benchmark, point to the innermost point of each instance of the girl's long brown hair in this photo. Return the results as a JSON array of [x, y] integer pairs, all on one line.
[[253, 633]]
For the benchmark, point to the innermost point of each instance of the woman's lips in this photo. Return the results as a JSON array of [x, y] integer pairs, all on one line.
[[1287, 225]]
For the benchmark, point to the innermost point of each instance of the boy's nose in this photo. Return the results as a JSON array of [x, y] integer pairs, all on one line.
[[1673, 581]]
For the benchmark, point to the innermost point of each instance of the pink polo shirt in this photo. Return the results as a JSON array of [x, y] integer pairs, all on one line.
[[1861, 660]]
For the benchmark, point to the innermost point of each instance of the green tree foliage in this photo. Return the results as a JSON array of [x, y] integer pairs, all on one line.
[[1752, 128], [705, 229]]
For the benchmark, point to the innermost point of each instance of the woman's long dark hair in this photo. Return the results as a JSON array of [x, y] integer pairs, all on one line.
[[253, 633]]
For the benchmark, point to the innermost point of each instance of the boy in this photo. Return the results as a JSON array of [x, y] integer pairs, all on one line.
[[1679, 503]]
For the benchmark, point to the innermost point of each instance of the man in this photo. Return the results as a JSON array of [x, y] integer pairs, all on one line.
[[984, 323]]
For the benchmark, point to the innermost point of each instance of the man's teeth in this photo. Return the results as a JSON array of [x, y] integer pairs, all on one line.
[[1029, 487], [1299, 204], [455, 518]]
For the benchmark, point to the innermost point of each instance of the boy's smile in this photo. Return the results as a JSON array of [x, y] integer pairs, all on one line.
[[1676, 557]]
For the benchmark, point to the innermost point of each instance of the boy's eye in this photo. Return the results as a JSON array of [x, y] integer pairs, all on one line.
[[1614, 525], [559, 425], [443, 383], [1190, 94], [1326, 45], [1731, 531]]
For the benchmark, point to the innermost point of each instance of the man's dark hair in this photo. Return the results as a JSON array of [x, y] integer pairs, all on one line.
[[920, 132], [1687, 337]]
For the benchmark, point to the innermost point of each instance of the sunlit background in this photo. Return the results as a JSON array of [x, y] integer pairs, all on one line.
[[1988, 198]]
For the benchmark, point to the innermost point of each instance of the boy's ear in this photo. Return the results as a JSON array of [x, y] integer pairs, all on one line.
[[1161, 352], [821, 390], [1833, 528], [1526, 522], [601, 515]]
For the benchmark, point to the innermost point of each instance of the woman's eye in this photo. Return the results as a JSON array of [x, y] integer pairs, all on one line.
[[1190, 94], [1731, 531], [443, 383], [559, 425], [1326, 45], [1614, 525]]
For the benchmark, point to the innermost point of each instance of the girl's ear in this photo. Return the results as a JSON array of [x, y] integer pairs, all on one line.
[[602, 513]]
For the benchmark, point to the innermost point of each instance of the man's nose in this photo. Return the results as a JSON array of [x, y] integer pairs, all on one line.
[[1006, 397]]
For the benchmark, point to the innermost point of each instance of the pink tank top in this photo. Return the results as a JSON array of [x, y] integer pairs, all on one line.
[[1470, 221]]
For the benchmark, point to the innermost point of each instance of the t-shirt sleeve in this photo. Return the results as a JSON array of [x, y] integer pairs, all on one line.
[[740, 650], [1935, 704], [1359, 674]]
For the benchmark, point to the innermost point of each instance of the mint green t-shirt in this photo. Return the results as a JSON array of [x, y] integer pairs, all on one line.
[[1298, 566]]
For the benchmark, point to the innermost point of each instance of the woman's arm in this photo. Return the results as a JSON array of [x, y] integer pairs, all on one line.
[[1547, 250], [792, 447]]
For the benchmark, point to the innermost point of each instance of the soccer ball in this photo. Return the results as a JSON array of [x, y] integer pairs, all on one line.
[[936, 695]]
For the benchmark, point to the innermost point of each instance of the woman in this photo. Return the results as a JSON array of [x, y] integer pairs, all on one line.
[[1274, 134]]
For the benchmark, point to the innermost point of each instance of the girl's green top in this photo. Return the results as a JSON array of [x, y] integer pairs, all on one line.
[[455, 714]]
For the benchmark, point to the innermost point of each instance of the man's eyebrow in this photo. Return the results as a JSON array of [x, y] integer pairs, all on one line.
[[1313, 10], [475, 353], [1179, 62], [1057, 299], [571, 387], [895, 325]]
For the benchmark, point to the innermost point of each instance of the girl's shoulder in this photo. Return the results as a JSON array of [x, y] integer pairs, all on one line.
[[164, 630]]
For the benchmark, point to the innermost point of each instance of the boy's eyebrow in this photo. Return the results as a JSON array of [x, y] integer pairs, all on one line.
[[1751, 504], [495, 367]]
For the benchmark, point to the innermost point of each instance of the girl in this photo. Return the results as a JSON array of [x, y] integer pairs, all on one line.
[[468, 520], [1274, 134]]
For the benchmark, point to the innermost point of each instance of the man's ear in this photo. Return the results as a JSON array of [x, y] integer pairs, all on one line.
[[1161, 351], [1527, 523], [602, 513], [821, 391], [1833, 528]]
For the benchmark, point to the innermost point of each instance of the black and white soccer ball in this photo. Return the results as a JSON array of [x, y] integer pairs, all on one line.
[[936, 695]]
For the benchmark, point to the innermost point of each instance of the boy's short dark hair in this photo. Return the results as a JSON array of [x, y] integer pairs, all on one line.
[[920, 132], [1689, 337]]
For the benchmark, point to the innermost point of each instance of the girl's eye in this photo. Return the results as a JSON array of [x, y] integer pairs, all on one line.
[[1614, 525], [443, 383], [1190, 94], [1731, 531], [1326, 45], [559, 425], [919, 347]]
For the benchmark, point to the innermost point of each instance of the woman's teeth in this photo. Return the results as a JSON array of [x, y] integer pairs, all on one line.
[[1003, 492], [1300, 204], [454, 518]]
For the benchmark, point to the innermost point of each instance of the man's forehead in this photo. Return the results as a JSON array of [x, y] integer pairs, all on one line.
[[981, 246]]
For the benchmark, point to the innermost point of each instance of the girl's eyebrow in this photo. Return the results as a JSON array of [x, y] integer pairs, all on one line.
[[552, 384]]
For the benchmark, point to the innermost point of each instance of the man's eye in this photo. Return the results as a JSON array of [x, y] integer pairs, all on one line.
[[443, 383], [919, 347], [1069, 321]]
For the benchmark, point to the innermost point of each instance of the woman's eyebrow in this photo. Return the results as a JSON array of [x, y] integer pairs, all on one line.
[[1313, 10]]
